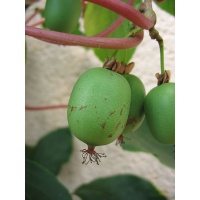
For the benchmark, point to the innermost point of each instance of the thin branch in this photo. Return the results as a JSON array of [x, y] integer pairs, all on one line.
[[78, 40], [160, 1], [114, 25], [44, 107], [38, 22], [154, 34], [126, 11], [32, 16]]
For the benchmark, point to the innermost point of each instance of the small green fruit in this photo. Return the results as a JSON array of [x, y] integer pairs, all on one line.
[[62, 15], [138, 94], [98, 108], [159, 109]]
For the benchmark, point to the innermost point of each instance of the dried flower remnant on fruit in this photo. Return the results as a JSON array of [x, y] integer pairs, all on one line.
[[163, 78], [90, 155], [120, 140], [119, 67]]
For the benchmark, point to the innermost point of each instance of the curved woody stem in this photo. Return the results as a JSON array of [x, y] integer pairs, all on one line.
[[126, 11], [39, 108], [119, 7], [78, 40]]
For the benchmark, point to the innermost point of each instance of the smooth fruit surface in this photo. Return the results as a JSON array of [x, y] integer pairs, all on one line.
[[138, 94], [62, 15], [98, 107], [159, 109]]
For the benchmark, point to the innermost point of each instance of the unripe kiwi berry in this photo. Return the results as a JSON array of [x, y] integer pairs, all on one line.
[[62, 15], [159, 109], [136, 112], [98, 108]]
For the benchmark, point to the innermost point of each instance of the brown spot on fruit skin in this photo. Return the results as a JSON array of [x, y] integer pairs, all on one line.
[[72, 108], [82, 107], [131, 121], [109, 136], [111, 113], [118, 125], [103, 125], [121, 111]]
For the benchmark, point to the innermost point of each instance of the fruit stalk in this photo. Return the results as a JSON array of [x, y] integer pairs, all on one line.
[[154, 34], [161, 46]]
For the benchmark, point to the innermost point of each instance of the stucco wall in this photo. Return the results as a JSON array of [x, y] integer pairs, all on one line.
[[51, 72]]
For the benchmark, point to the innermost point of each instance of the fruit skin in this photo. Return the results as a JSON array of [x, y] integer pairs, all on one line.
[[138, 94], [159, 109], [98, 107], [62, 15]]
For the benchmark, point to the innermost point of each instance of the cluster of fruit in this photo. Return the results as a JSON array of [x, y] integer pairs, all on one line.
[[105, 105]]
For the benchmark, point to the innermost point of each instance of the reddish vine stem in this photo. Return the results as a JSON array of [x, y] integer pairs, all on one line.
[[114, 25], [37, 108], [78, 40], [160, 1], [126, 11]]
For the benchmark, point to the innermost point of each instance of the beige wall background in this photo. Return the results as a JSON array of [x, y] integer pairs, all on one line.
[[51, 72]]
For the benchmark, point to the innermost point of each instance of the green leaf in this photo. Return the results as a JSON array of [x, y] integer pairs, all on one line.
[[77, 30], [28, 151], [142, 140], [119, 187], [53, 150], [168, 6], [97, 19], [136, 2], [41, 184]]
